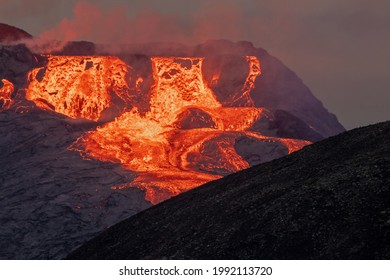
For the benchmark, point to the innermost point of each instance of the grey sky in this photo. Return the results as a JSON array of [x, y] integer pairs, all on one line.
[[340, 48]]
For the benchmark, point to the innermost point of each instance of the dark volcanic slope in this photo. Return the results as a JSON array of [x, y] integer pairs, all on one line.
[[52, 200], [330, 200], [10, 33]]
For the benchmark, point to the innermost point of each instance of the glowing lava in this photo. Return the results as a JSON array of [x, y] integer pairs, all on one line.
[[183, 138], [254, 72], [81, 86], [187, 138], [5, 95], [178, 83]]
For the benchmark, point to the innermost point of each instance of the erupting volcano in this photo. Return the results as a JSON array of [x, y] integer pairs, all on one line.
[[104, 136], [185, 139]]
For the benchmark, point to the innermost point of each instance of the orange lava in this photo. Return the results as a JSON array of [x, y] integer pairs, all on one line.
[[5, 95], [80, 86], [178, 83], [170, 160], [254, 72], [185, 137]]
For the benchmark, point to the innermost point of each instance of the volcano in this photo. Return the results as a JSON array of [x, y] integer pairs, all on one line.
[[92, 136]]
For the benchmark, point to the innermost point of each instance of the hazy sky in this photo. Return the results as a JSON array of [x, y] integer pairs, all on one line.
[[339, 48]]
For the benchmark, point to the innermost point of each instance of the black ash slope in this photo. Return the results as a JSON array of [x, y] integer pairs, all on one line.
[[330, 200]]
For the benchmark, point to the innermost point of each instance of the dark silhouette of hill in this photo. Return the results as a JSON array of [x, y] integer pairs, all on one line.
[[9, 34], [330, 200]]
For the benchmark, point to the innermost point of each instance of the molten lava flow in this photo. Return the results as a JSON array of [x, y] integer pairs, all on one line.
[[80, 86], [5, 95], [186, 139], [292, 145], [137, 143], [178, 83], [235, 119], [254, 72]]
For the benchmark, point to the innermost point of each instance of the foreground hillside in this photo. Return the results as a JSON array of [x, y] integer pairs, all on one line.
[[331, 200]]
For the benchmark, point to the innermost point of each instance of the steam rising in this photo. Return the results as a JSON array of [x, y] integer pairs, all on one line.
[[114, 25], [331, 44]]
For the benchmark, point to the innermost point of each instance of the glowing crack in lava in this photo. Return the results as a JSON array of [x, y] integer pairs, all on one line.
[[186, 138], [5, 95], [82, 86]]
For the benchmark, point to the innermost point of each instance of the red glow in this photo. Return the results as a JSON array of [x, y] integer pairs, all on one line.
[[169, 160], [5, 95], [184, 137], [79, 87]]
